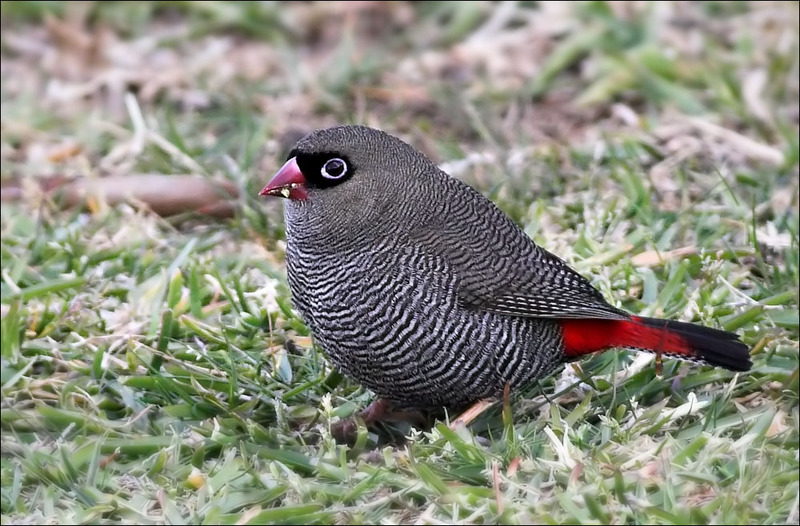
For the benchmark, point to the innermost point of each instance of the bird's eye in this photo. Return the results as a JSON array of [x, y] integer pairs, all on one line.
[[334, 168]]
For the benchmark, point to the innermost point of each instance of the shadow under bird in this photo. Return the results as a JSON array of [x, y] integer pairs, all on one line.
[[422, 290]]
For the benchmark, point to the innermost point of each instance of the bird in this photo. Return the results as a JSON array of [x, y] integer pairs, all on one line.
[[423, 291]]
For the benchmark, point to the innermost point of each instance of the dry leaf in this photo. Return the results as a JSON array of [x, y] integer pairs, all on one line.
[[778, 424], [652, 258]]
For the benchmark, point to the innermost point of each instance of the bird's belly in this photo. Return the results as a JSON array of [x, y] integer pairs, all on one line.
[[402, 333]]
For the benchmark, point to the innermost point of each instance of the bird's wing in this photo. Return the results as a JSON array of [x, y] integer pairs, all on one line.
[[545, 287], [500, 269]]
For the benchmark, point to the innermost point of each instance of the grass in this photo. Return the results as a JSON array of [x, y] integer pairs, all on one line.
[[153, 370]]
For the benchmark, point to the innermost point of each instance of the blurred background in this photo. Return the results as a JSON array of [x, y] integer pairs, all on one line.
[[222, 88], [153, 370]]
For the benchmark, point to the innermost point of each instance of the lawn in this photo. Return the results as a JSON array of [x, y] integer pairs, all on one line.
[[153, 370]]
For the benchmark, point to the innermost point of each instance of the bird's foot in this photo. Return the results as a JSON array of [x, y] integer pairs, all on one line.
[[379, 411], [382, 410]]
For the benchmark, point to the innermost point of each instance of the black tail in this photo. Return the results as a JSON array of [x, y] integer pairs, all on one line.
[[704, 344]]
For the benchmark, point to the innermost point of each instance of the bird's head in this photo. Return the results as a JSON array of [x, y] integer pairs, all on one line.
[[352, 178], [354, 161]]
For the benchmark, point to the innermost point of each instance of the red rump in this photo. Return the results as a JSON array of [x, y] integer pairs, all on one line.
[[585, 336]]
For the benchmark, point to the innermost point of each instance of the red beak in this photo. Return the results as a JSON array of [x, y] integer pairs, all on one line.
[[289, 182]]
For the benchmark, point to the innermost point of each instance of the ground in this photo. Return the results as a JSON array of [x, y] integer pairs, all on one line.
[[153, 370]]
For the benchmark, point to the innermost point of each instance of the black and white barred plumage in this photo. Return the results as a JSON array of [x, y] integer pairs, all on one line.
[[422, 290]]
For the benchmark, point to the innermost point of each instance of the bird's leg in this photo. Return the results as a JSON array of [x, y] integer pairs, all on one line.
[[376, 411], [381, 410], [346, 429], [465, 418]]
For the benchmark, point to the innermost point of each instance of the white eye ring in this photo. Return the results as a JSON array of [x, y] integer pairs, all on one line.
[[332, 166]]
